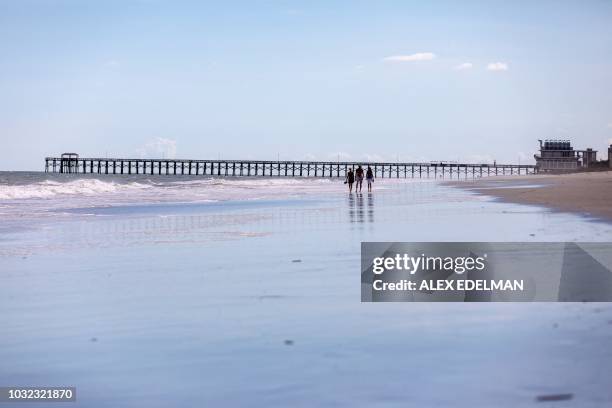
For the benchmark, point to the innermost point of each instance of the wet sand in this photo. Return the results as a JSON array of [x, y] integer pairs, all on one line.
[[141, 303], [585, 193]]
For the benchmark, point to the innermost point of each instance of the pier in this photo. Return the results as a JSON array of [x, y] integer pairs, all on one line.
[[71, 163]]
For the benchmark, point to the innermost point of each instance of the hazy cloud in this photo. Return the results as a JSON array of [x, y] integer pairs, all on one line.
[[341, 156], [497, 66], [420, 56], [465, 65], [159, 148]]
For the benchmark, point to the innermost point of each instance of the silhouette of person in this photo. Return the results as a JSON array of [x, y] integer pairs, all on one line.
[[359, 178], [350, 179], [369, 178]]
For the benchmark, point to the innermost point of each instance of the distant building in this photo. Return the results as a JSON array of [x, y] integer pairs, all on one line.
[[556, 155], [559, 155], [610, 156], [589, 157]]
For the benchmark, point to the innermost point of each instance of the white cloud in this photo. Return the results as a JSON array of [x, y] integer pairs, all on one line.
[[465, 65], [420, 56], [112, 64], [497, 66], [159, 148]]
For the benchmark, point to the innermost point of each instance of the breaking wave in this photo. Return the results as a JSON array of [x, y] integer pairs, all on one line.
[[50, 188], [37, 187]]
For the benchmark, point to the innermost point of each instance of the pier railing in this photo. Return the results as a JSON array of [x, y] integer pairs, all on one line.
[[170, 167]]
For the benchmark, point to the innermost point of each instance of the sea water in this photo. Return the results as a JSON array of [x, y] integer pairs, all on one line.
[[198, 291]]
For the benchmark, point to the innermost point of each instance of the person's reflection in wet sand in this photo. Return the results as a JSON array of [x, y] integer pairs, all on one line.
[[360, 215], [357, 212], [370, 207]]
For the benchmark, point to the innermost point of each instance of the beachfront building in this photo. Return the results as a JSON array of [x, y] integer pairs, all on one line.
[[559, 155], [589, 157]]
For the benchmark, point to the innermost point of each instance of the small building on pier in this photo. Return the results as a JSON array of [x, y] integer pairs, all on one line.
[[69, 163], [559, 156]]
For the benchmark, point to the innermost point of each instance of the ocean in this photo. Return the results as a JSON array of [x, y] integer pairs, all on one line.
[[196, 291]]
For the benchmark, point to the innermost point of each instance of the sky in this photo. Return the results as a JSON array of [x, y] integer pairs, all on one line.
[[469, 81]]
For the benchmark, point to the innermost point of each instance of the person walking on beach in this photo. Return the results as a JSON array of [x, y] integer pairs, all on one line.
[[359, 178], [350, 179], [369, 178]]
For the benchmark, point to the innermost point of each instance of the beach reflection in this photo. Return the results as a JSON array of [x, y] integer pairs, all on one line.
[[361, 210]]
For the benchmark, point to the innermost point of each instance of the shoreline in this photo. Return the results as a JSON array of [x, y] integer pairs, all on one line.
[[587, 194]]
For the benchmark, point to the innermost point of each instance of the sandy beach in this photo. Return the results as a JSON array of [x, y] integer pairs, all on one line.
[[585, 193]]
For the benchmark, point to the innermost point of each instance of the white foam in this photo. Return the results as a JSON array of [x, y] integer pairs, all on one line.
[[50, 188]]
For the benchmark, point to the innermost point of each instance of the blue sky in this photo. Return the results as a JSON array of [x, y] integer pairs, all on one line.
[[469, 81]]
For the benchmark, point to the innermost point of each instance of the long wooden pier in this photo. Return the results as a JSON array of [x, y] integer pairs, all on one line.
[[72, 164]]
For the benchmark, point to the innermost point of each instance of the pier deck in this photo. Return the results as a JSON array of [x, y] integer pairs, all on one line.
[[245, 168]]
